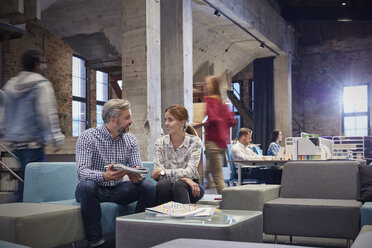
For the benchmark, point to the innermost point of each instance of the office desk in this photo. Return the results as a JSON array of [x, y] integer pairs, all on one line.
[[239, 164]]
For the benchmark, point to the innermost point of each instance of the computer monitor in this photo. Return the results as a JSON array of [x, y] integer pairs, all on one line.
[[280, 153]]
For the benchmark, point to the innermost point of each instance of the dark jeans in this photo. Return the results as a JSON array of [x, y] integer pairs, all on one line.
[[26, 156], [178, 191], [269, 176], [90, 195]]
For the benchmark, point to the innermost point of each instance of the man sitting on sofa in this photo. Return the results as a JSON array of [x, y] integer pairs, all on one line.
[[241, 151], [109, 144]]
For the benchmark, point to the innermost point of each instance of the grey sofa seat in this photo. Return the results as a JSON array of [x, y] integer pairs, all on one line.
[[332, 218], [40, 225], [317, 199]]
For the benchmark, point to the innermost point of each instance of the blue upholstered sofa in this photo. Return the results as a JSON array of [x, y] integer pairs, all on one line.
[[366, 214], [55, 183]]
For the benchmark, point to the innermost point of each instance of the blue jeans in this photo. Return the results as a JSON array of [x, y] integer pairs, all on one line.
[[27, 156], [90, 195]]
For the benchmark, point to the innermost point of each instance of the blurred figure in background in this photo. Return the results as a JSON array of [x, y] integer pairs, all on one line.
[[220, 119], [30, 114], [276, 137]]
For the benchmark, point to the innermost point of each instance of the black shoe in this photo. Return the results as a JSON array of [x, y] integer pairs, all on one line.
[[99, 244]]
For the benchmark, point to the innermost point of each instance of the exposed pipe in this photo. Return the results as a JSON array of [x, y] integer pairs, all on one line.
[[218, 11]]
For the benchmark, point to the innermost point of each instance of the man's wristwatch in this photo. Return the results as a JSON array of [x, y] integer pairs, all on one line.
[[162, 172]]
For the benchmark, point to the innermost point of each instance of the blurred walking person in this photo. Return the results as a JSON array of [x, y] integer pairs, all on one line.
[[220, 119], [30, 117]]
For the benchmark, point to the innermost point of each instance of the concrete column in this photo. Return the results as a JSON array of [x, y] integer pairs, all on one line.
[[226, 78], [283, 94], [176, 54], [141, 70]]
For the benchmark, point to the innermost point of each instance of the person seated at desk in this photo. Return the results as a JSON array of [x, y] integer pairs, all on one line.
[[176, 161], [241, 151], [276, 137]]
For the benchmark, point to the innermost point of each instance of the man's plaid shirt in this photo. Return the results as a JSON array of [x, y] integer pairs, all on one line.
[[96, 148]]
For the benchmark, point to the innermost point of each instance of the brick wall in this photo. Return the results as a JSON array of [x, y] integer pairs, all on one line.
[[58, 57], [318, 79], [59, 61]]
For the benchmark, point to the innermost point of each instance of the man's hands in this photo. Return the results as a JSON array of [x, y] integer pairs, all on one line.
[[135, 177], [116, 175], [194, 186]]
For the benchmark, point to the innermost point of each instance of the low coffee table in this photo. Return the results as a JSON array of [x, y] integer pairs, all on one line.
[[146, 230]]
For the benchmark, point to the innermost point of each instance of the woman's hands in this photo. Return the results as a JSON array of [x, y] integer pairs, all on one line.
[[194, 186], [156, 174]]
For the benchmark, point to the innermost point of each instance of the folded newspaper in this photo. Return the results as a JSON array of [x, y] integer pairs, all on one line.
[[130, 169], [178, 210]]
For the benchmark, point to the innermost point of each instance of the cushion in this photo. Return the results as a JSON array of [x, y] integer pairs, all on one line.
[[326, 218], [366, 214], [365, 173], [249, 197], [50, 181], [40, 225], [309, 179]]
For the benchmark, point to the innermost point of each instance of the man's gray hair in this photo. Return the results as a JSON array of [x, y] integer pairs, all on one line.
[[113, 107]]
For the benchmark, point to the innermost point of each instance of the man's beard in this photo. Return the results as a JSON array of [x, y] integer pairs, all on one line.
[[120, 129]]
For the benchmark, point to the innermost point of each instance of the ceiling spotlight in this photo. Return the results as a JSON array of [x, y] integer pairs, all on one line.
[[262, 45], [216, 13], [343, 3], [344, 20]]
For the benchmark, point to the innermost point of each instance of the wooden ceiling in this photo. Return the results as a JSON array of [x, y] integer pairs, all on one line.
[[319, 20]]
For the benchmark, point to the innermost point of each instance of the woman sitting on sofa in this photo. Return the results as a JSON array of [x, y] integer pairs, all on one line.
[[176, 160]]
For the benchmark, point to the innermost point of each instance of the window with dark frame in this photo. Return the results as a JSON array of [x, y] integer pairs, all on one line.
[[251, 94], [120, 83], [102, 94], [237, 90], [79, 96], [355, 110]]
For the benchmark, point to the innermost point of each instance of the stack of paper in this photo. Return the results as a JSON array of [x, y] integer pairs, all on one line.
[[175, 209]]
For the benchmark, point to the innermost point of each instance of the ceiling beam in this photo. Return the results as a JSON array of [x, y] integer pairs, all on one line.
[[319, 31], [31, 12], [328, 13], [8, 31], [10, 8], [338, 31]]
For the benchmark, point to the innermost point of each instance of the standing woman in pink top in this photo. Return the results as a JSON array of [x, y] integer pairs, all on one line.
[[220, 119]]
